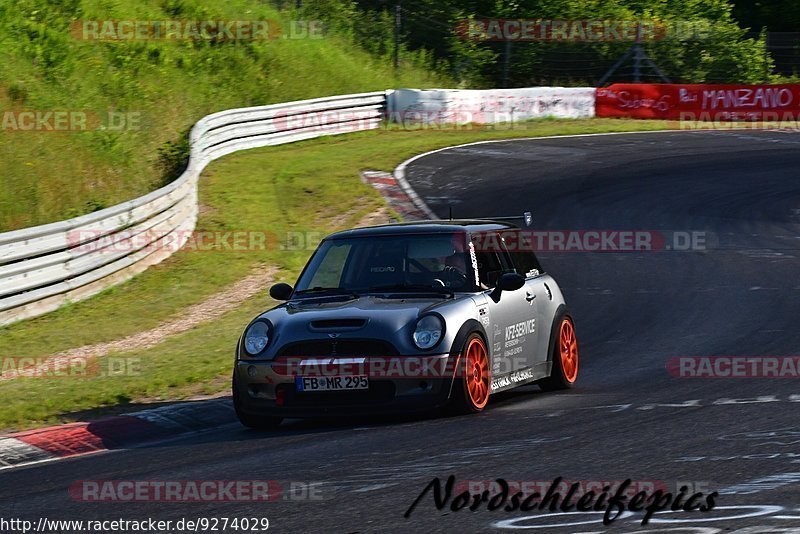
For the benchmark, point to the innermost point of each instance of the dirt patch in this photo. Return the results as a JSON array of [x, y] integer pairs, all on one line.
[[213, 307], [379, 216], [340, 220]]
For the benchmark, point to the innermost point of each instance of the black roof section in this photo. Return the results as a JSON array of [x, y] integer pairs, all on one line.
[[425, 227]]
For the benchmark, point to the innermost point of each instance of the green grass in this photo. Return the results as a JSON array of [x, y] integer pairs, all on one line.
[[50, 176], [300, 187]]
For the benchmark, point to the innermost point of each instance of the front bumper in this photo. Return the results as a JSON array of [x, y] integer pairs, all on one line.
[[396, 384]]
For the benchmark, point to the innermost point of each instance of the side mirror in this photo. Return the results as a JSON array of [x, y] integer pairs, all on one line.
[[281, 291], [507, 282]]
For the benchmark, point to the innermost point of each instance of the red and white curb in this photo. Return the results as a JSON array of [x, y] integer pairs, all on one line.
[[117, 432], [398, 195]]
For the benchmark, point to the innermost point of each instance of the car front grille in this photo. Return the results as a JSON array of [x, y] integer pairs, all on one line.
[[326, 324], [339, 347]]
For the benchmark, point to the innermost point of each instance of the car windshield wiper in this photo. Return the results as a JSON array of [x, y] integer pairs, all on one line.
[[413, 288], [327, 291]]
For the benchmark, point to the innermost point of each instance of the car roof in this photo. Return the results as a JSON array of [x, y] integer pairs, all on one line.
[[425, 227]]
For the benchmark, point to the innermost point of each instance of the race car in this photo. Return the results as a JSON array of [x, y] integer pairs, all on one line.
[[403, 317]]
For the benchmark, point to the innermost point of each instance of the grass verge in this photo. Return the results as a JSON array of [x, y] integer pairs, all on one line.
[[154, 89]]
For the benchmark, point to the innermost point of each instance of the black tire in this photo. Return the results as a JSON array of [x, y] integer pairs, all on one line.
[[256, 422], [463, 401], [562, 375]]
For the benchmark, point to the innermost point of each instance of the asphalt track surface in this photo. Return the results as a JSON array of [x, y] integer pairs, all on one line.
[[627, 418]]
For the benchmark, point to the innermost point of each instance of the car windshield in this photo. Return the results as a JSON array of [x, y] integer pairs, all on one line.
[[436, 263]]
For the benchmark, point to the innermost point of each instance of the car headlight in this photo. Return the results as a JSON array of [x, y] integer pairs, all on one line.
[[256, 338], [428, 332]]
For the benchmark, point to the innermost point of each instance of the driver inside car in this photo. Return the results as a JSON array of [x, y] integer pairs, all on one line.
[[437, 262], [448, 271], [454, 271]]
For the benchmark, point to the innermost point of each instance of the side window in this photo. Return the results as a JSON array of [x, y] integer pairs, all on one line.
[[525, 263], [520, 246], [493, 259], [488, 268]]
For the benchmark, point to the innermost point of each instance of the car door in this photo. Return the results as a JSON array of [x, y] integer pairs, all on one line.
[[513, 332], [538, 295]]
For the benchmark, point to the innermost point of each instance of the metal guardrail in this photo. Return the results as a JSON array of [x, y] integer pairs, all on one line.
[[44, 267]]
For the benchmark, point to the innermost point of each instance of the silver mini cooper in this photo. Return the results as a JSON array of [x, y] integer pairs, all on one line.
[[405, 317]]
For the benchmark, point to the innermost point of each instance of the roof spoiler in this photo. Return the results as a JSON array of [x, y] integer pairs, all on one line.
[[526, 217]]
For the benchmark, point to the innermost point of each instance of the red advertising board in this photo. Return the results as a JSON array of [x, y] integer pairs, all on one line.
[[700, 102]]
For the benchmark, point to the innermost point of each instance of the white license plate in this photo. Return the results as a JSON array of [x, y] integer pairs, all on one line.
[[331, 383]]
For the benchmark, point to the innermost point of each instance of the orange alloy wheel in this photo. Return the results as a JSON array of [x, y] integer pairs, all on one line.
[[477, 373], [568, 347]]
